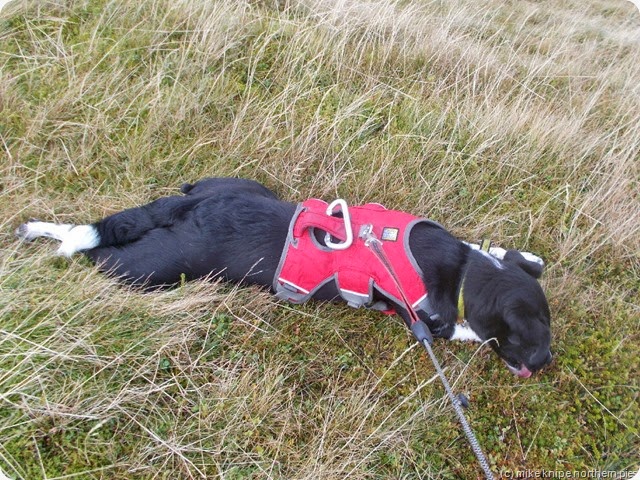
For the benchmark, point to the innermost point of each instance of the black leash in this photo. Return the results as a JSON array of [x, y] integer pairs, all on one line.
[[423, 336]]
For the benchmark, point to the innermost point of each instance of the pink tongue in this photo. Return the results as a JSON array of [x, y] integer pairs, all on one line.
[[524, 372]]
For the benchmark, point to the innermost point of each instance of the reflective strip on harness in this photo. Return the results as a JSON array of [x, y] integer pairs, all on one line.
[[306, 264]]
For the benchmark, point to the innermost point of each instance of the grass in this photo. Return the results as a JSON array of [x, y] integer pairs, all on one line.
[[512, 120]]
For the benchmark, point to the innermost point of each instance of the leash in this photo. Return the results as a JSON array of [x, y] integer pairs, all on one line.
[[423, 336]]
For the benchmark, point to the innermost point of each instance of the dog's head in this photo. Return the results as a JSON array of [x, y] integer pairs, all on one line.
[[505, 302]]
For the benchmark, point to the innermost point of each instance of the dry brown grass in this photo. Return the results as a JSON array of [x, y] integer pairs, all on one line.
[[514, 120]]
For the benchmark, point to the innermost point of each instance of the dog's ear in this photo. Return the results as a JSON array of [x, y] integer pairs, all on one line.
[[186, 188], [528, 262]]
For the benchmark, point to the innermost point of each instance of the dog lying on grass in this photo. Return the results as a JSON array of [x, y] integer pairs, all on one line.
[[239, 230]]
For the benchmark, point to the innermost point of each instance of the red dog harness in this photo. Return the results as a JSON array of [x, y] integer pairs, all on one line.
[[306, 265]]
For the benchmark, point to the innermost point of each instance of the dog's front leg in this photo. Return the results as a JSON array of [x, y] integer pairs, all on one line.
[[499, 253], [437, 328]]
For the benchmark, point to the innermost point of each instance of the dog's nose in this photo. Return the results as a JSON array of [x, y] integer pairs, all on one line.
[[540, 359]]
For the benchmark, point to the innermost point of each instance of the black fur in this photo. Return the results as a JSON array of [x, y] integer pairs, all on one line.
[[509, 305], [237, 228]]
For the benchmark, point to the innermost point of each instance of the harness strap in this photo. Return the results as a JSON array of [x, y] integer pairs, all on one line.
[[376, 246], [331, 225]]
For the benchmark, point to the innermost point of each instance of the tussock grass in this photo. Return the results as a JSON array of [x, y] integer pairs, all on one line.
[[517, 121]]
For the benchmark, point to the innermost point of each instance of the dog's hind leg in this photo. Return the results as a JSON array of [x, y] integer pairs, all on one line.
[[130, 225], [118, 229], [34, 229], [74, 238]]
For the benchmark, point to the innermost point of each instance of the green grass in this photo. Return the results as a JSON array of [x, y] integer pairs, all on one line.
[[516, 121]]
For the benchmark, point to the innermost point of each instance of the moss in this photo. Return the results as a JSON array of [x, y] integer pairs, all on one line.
[[111, 104]]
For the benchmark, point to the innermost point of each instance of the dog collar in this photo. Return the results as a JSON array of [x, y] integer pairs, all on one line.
[[484, 246]]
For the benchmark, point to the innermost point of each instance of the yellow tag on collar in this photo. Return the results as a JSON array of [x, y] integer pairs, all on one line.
[[461, 304], [485, 245]]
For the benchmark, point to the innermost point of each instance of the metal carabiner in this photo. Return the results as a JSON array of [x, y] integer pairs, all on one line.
[[347, 225]]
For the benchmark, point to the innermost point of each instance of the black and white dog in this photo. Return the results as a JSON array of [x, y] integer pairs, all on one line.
[[237, 229]]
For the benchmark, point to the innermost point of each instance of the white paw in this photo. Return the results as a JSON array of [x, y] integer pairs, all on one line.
[[464, 334], [74, 238], [34, 229], [496, 252], [530, 257], [23, 232]]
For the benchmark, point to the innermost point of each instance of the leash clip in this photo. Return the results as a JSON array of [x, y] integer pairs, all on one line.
[[366, 233], [347, 225]]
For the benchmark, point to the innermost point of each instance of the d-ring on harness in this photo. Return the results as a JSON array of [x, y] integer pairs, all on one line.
[[347, 226], [418, 327]]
